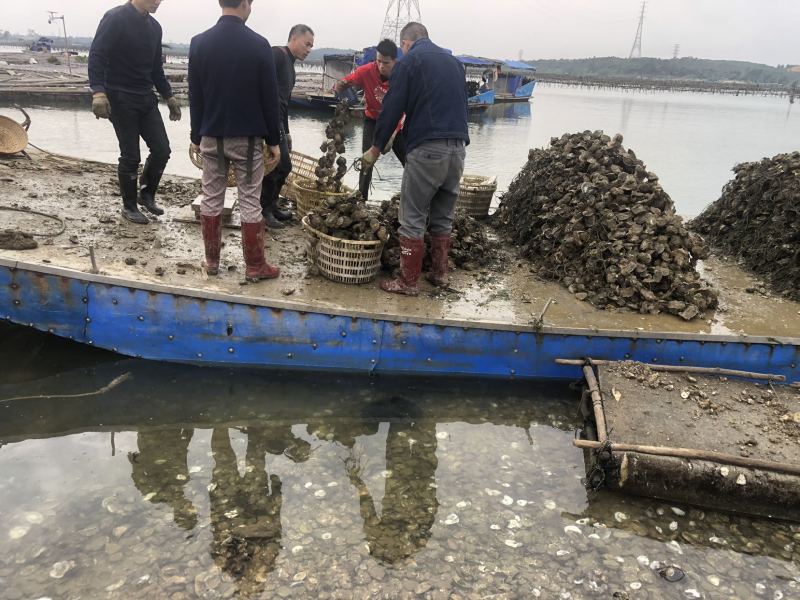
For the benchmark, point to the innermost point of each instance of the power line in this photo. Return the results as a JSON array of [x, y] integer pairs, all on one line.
[[636, 50], [398, 14]]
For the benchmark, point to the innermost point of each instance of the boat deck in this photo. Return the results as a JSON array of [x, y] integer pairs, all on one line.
[[169, 252]]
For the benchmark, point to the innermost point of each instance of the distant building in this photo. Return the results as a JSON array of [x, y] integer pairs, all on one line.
[[793, 68]]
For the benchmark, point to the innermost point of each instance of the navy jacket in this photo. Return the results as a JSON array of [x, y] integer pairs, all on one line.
[[126, 54], [232, 87], [429, 86], [284, 68]]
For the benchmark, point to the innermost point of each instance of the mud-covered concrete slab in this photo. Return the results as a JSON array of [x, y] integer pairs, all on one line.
[[703, 412]]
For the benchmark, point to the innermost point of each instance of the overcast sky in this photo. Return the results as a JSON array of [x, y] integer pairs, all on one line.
[[755, 30]]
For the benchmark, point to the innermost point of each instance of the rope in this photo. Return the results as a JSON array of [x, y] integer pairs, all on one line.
[[40, 214], [114, 383]]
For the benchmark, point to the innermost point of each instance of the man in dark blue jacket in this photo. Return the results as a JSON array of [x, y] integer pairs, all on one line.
[[233, 101], [124, 66], [428, 86]]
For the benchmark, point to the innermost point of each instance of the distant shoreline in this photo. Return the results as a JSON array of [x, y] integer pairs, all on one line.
[[672, 85]]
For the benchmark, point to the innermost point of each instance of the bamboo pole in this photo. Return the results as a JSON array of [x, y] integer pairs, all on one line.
[[739, 461], [680, 369], [597, 403]]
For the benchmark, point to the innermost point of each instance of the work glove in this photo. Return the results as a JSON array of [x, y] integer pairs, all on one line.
[[369, 159], [288, 137], [101, 107], [174, 108]]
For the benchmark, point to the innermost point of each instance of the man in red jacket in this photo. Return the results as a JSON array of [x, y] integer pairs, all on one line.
[[373, 78]]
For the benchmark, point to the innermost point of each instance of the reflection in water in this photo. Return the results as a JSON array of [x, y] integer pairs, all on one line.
[[159, 471], [246, 509], [409, 503]]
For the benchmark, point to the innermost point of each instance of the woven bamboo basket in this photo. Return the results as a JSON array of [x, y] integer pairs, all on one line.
[[343, 261], [475, 196], [303, 167], [309, 198], [197, 161]]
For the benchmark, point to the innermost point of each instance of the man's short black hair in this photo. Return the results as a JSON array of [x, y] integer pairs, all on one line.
[[414, 31], [388, 49], [300, 30], [231, 3]]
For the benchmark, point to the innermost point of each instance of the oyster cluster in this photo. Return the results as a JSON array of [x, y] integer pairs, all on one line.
[[331, 170], [590, 215], [348, 218], [470, 247], [757, 220]]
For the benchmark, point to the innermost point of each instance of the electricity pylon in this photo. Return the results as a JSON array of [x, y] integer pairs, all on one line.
[[636, 50], [398, 14]]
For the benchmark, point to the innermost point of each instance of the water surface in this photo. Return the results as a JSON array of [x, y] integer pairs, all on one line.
[[692, 141], [197, 482]]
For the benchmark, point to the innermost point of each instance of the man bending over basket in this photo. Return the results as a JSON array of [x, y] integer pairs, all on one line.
[[233, 111]]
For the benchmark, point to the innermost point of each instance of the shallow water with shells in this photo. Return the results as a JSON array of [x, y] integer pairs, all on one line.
[[187, 483]]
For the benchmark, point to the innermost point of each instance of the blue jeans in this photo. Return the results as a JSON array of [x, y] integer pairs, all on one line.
[[431, 182]]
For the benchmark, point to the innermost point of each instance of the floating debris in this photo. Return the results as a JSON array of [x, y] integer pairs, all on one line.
[[757, 220], [589, 214], [61, 568], [34, 518], [451, 519], [18, 532]]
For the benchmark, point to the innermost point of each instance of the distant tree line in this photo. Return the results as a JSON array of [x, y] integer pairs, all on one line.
[[688, 68]]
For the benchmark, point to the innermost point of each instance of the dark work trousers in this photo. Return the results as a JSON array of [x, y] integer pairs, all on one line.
[[399, 148], [273, 182], [135, 116]]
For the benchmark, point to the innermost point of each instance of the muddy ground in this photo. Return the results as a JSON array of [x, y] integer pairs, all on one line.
[[83, 195], [704, 412]]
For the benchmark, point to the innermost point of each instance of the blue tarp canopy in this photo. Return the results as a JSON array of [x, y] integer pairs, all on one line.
[[476, 61], [518, 64]]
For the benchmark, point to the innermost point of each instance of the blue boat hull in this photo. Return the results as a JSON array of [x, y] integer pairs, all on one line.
[[190, 326]]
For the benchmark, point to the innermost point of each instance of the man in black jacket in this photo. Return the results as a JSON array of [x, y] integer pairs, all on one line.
[[301, 41], [233, 100], [125, 63]]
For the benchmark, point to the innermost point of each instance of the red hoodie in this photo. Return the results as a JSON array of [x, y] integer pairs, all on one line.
[[368, 78]]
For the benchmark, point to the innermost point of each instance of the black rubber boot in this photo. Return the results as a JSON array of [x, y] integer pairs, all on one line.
[[281, 214], [151, 177], [127, 187], [269, 204]]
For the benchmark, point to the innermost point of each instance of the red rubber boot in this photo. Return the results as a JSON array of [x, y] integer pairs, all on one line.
[[212, 240], [253, 247], [440, 249], [411, 254]]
